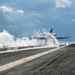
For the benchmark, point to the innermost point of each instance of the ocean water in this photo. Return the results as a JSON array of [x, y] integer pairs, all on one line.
[[7, 39]]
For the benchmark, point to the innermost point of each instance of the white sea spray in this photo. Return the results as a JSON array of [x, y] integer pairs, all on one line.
[[6, 39]]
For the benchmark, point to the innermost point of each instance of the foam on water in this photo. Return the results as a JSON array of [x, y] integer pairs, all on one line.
[[51, 40], [7, 39]]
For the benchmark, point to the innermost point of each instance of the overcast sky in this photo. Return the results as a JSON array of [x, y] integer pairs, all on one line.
[[22, 17]]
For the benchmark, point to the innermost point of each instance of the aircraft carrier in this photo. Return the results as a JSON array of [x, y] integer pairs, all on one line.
[[44, 61], [44, 55]]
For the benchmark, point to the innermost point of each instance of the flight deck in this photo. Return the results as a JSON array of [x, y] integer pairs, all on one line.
[[57, 62]]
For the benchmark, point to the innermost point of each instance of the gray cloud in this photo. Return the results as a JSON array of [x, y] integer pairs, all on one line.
[[33, 13]]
